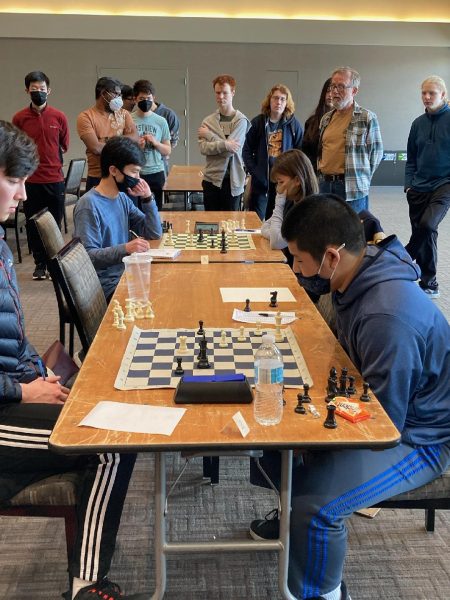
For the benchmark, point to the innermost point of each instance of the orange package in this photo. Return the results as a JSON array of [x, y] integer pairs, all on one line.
[[351, 411]]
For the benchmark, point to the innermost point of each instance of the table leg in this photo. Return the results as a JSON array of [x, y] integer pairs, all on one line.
[[285, 519], [160, 526]]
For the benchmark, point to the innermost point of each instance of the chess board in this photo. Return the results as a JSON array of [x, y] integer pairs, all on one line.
[[149, 360], [241, 241]]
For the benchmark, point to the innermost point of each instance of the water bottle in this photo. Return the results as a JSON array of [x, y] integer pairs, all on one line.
[[268, 400]]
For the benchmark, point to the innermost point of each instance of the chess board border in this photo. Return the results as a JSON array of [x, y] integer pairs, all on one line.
[[127, 360], [183, 244]]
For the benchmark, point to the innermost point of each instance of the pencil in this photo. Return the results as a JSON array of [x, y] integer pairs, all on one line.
[[133, 233]]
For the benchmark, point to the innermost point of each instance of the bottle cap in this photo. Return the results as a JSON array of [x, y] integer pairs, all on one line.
[[268, 338]]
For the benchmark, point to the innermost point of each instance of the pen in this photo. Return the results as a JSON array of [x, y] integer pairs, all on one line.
[[133, 233], [41, 369], [264, 315]]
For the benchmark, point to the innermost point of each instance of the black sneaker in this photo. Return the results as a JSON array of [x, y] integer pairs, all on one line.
[[267, 528], [101, 589], [39, 273]]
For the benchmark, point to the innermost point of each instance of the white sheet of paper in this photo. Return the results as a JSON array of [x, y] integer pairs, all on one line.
[[254, 317], [133, 418], [255, 294], [163, 252]]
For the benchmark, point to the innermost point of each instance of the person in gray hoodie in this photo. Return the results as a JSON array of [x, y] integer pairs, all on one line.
[[221, 137]]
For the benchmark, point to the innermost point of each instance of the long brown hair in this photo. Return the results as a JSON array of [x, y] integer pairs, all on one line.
[[312, 133], [295, 163], [290, 105]]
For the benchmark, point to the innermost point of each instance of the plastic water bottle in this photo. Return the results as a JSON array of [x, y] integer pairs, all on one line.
[[268, 400]]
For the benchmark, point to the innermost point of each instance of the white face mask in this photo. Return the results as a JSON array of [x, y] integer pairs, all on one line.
[[116, 103]]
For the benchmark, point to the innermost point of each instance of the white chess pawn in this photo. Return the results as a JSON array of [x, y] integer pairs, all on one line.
[[258, 330], [149, 314], [242, 337], [183, 346], [120, 324], [116, 317], [243, 223], [169, 238], [279, 335], [138, 311], [223, 340], [188, 226], [129, 314]]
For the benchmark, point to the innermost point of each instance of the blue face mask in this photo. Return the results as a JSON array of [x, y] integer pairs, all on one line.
[[315, 284]]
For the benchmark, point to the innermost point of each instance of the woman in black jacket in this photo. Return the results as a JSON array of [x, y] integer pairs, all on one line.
[[311, 135]]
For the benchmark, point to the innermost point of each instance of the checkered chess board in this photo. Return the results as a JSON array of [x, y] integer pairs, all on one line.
[[150, 357], [187, 241]]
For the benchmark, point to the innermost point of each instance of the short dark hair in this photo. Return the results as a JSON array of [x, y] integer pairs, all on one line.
[[36, 76], [106, 84], [144, 86], [322, 220], [127, 91], [119, 152], [18, 152]]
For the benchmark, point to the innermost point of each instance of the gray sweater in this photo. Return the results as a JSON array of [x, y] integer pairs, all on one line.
[[217, 156]]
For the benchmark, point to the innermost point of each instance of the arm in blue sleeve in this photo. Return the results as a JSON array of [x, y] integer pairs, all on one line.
[[146, 223], [88, 229]]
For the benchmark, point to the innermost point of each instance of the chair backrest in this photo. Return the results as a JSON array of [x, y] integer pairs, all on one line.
[[49, 232], [81, 288], [74, 176]]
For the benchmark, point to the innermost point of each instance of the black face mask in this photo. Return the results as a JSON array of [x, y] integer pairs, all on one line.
[[38, 98], [145, 105], [128, 182]]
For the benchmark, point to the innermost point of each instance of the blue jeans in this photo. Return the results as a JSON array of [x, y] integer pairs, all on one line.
[[338, 188]]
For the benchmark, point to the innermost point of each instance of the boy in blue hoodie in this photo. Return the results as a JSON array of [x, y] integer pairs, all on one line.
[[400, 342], [427, 179]]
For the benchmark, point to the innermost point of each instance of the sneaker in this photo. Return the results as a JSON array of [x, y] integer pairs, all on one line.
[[39, 273], [432, 293], [344, 594], [267, 528], [101, 589]]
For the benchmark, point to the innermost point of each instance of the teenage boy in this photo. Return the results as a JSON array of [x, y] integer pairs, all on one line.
[[45, 187], [154, 138], [400, 342], [30, 405], [221, 137], [109, 225]]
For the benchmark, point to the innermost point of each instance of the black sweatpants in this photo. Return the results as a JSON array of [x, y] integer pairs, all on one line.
[[156, 182], [215, 198], [40, 196], [26, 458]]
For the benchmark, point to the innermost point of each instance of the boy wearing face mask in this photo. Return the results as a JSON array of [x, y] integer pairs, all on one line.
[[154, 138], [106, 219], [48, 127], [106, 119]]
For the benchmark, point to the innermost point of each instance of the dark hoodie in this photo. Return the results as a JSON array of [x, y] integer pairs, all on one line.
[[399, 341], [428, 161]]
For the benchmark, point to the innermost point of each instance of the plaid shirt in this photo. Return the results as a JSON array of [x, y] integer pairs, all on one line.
[[363, 150]]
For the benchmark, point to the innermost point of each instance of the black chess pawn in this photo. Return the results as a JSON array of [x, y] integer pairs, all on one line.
[[306, 396], [300, 409], [343, 382], [179, 370], [351, 390], [213, 242], [200, 236], [247, 306], [273, 299], [330, 421], [333, 374], [365, 395], [200, 331]]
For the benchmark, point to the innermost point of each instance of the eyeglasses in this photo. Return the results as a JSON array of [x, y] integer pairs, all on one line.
[[340, 87]]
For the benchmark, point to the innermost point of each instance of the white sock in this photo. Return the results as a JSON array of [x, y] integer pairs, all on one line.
[[79, 584], [334, 594]]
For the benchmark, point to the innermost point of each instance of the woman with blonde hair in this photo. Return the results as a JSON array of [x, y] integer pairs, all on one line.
[[272, 132]]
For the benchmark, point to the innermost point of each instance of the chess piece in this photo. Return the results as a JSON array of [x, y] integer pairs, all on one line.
[[183, 346], [169, 241], [343, 382], [223, 244], [279, 335], [258, 331], [243, 223], [200, 331], [223, 340], [213, 242], [330, 421], [201, 237], [306, 397], [273, 299], [333, 374], [365, 395], [332, 389], [188, 226], [191, 240], [300, 409], [149, 314], [129, 308], [179, 370], [242, 337], [116, 317], [247, 306], [203, 362], [138, 311], [351, 390], [120, 315]]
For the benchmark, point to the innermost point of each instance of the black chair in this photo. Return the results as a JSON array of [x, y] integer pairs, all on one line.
[[52, 242], [73, 183], [16, 222], [79, 282]]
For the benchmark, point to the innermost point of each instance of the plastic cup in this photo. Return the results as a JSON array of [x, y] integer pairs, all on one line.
[[137, 269]]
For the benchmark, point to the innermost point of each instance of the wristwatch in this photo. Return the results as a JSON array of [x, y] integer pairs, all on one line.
[[149, 199]]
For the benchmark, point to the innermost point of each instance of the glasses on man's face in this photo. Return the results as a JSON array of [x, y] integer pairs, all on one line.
[[340, 87]]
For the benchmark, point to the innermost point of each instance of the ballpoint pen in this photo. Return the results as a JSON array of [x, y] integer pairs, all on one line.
[[133, 233]]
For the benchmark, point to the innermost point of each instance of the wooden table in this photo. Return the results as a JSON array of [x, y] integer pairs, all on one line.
[[181, 296], [261, 253], [185, 179]]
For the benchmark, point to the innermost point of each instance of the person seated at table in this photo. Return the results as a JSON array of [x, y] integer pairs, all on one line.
[[31, 401], [109, 225], [295, 178], [400, 342]]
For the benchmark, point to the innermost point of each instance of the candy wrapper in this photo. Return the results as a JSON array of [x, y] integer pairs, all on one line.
[[351, 411]]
